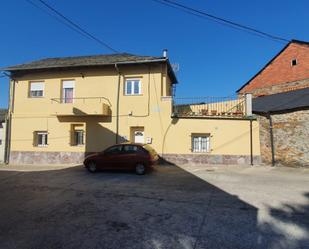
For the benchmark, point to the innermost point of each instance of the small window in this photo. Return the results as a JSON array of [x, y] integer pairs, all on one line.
[[36, 89], [294, 62], [0, 141], [200, 143], [78, 137], [41, 138], [133, 87]]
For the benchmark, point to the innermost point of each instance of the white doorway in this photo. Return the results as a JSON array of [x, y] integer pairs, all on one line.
[[137, 134], [139, 137]]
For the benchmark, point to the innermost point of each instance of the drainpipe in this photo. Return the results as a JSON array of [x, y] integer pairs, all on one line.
[[8, 125], [248, 106], [251, 143], [117, 106], [273, 162]]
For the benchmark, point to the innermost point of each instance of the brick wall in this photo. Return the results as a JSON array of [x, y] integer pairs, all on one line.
[[281, 72], [291, 133]]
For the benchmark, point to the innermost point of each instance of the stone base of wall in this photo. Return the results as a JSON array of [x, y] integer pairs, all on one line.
[[34, 157], [180, 159]]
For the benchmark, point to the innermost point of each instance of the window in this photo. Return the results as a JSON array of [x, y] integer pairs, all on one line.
[[200, 143], [78, 137], [41, 138], [133, 87], [113, 150], [0, 141], [68, 91], [36, 89], [294, 62]]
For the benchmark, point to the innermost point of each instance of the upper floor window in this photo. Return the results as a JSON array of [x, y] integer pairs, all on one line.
[[200, 143], [36, 89], [133, 87], [68, 91], [294, 62]]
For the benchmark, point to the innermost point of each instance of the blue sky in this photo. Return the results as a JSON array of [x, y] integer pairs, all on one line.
[[214, 60]]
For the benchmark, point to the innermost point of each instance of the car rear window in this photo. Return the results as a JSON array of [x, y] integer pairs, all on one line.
[[150, 150]]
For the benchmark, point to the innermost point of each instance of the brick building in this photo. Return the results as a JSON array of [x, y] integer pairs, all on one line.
[[281, 102]]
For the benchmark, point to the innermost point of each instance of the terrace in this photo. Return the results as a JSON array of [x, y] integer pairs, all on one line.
[[215, 107]]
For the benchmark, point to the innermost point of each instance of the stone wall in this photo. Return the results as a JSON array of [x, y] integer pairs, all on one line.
[[32, 157], [279, 88], [202, 159], [29, 157], [291, 138]]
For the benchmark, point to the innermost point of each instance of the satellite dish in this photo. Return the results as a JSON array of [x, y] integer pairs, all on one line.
[[175, 67]]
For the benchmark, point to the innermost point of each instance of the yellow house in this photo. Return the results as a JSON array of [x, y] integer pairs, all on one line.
[[64, 108]]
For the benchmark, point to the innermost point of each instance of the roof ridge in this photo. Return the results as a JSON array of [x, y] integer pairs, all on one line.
[[299, 42]]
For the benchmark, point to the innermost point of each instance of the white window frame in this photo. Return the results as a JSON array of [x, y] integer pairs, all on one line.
[[67, 84], [44, 135], [133, 87], [197, 143], [36, 86]]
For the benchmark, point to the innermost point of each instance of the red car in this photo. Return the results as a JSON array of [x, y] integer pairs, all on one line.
[[128, 156]]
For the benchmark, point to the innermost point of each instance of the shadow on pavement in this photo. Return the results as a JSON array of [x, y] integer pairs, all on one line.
[[169, 208]]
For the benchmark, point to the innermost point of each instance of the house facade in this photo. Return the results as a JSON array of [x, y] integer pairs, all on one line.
[[281, 104], [62, 109], [3, 113]]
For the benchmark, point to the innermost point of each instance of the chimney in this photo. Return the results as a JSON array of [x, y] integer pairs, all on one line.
[[165, 53]]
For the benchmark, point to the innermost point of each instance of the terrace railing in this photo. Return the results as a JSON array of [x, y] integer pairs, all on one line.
[[233, 107]]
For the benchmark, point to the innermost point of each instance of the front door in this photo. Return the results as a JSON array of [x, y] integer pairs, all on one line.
[[139, 137]]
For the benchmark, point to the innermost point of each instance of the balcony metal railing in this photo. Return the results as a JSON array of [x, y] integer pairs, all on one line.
[[83, 100], [210, 107]]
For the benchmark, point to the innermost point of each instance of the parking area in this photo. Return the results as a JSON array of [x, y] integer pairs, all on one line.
[[172, 207]]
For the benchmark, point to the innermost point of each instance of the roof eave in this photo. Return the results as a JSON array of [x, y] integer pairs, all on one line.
[[171, 72]]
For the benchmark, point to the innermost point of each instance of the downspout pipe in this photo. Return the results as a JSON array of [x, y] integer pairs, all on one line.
[[251, 144], [273, 161], [8, 124], [118, 103]]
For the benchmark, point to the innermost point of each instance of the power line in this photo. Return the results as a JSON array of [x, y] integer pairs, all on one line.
[[56, 18], [72, 25], [220, 20]]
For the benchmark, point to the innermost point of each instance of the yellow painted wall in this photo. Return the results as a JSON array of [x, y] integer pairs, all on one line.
[[151, 110]]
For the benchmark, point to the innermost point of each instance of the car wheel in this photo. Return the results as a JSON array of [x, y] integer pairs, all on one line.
[[140, 169], [92, 167]]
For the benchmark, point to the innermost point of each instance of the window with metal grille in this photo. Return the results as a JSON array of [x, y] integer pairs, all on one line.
[[78, 137], [41, 138], [200, 143]]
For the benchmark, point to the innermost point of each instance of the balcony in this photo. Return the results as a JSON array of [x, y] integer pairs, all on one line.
[[213, 107], [85, 106]]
